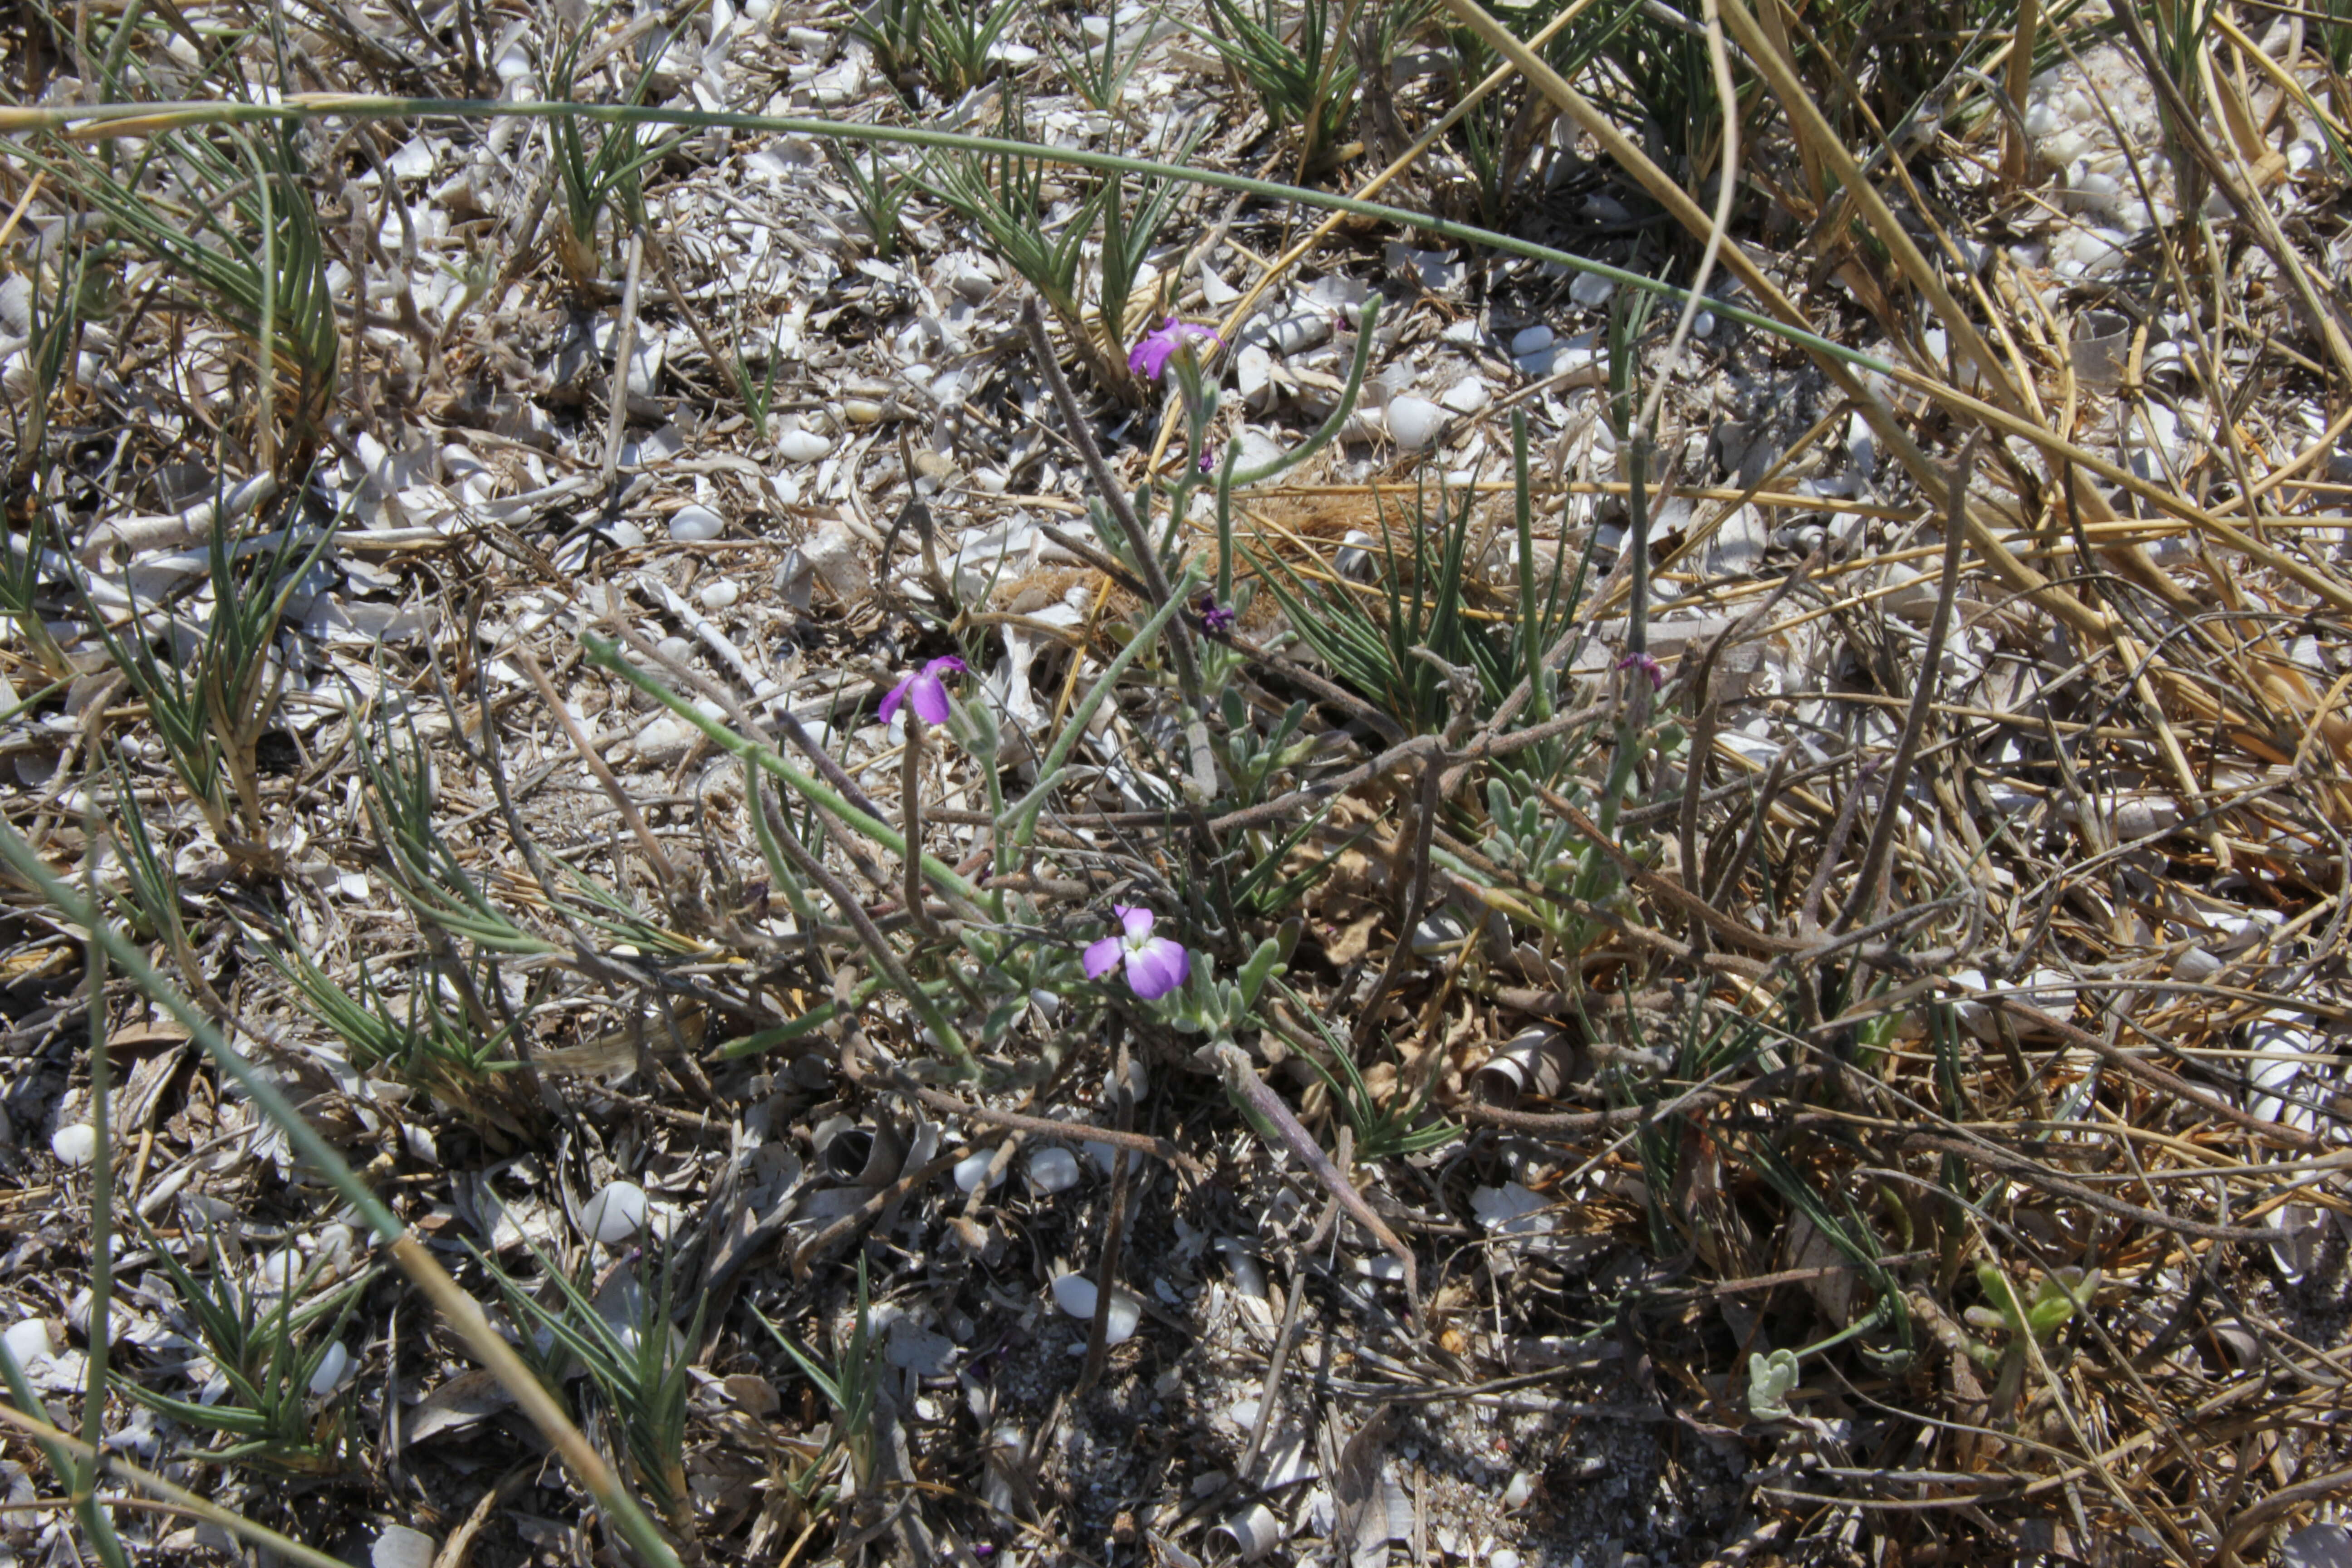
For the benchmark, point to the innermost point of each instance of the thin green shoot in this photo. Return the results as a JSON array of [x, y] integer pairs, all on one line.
[[1310, 84], [622, 1336], [1382, 1130], [850, 1387], [211, 710], [267, 1344], [1098, 73], [879, 189]]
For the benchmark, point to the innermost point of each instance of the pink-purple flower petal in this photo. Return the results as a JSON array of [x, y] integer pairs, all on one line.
[[930, 699], [926, 690], [1134, 920], [1102, 957], [1149, 357], [1157, 967]]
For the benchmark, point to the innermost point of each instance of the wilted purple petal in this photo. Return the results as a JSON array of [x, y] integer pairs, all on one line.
[[1208, 459], [1647, 666], [1157, 967], [1135, 919], [897, 695], [1102, 957]]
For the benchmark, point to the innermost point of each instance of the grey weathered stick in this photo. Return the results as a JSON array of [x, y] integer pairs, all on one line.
[[1241, 1077], [624, 349]]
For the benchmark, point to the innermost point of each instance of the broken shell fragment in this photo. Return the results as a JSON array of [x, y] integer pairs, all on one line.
[[1249, 1534], [28, 1340]]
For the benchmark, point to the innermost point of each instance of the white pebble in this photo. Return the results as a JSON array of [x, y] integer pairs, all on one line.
[[802, 446], [331, 1368], [30, 1341], [1414, 422], [1522, 1488], [616, 1213], [1502, 1557], [693, 524], [1053, 1170], [76, 1144], [1530, 341], [718, 596], [1590, 288], [1074, 1294]]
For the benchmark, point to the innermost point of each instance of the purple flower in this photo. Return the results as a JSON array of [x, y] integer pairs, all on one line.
[[1155, 965], [1208, 459], [1149, 356], [1647, 666], [925, 690], [1215, 619]]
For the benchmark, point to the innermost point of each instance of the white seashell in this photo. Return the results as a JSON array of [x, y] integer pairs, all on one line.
[[616, 1213], [973, 1170], [1074, 1294], [278, 1272], [2195, 966], [693, 524], [30, 1341], [1516, 1495], [333, 1366], [1467, 395], [665, 741], [718, 596], [401, 1547], [1054, 1169], [802, 446], [1414, 422], [76, 1144]]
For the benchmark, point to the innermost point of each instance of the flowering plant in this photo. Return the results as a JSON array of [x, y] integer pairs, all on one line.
[[1155, 964], [1149, 357], [925, 690]]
